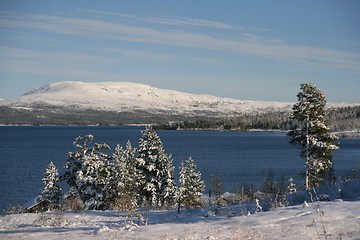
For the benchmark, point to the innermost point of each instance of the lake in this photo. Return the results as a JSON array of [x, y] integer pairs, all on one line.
[[237, 158]]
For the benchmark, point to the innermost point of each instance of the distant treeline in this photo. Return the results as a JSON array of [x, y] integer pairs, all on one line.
[[55, 115], [43, 114], [338, 119]]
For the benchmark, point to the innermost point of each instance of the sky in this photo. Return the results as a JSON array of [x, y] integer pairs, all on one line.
[[248, 50]]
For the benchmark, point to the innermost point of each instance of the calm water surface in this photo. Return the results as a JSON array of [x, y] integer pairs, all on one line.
[[236, 157]]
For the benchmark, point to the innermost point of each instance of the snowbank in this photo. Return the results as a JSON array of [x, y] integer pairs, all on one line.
[[337, 219], [331, 218]]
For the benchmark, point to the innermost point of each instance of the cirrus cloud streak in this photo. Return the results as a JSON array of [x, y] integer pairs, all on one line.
[[237, 40]]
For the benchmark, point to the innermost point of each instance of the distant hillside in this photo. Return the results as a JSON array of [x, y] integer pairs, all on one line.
[[116, 103], [131, 97]]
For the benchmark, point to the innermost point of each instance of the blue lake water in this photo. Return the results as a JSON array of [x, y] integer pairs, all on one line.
[[238, 158]]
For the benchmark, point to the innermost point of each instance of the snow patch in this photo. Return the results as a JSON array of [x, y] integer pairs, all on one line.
[[337, 219]]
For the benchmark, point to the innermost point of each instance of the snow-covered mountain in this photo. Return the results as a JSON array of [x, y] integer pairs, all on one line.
[[129, 97]]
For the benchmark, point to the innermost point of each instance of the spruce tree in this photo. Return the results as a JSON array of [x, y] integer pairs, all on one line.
[[87, 173], [52, 191], [191, 185], [124, 178], [156, 170], [131, 181], [313, 135], [93, 178], [75, 160], [168, 189]]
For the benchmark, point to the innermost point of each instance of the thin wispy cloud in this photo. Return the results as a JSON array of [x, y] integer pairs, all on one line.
[[177, 21], [190, 22], [250, 44], [142, 55], [64, 72], [146, 55], [10, 53]]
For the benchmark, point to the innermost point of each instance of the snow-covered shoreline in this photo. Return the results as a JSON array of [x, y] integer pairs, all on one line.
[[305, 218], [348, 134], [337, 219], [343, 134]]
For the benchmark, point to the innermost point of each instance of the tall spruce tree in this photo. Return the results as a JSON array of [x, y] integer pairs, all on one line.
[[168, 189], [313, 135], [75, 160], [124, 178], [52, 191], [156, 170], [132, 181], [191, 185], [87, 173], [93, 178]]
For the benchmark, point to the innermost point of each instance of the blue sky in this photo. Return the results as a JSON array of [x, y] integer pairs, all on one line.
[[250, 50]]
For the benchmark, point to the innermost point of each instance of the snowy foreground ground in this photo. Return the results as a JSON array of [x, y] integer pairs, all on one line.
[[336, 219]]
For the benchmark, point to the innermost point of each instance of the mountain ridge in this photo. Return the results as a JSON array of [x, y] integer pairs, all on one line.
[[126, 96], [124, 103]]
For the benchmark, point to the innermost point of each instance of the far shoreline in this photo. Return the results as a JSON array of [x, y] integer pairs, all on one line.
[[340, 134]]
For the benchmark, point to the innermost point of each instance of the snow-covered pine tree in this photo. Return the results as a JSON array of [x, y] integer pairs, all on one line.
[[191, 185], [155, 169], [93, 179], [74, 161], [52, 191], [124, 178], [167, 194], [133, 183], [313, 135], [87, 172]]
